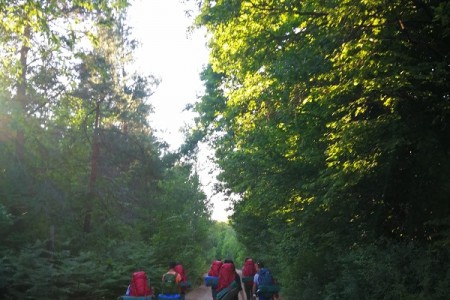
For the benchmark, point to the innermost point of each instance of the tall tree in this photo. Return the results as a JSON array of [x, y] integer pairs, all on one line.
[[92, 192], [325, 113], [39, 44]]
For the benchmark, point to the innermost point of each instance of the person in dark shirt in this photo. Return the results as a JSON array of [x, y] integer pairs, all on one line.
[[237, 280]]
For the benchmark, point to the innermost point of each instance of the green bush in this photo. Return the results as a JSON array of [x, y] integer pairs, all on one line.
[[35, 273], [403, 270]]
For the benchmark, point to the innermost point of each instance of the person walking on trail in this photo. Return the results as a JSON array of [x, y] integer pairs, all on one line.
[[139, 285], [248, 273], [171, 281], [214, 273], [263, 278], [229, 286], [184, 281]]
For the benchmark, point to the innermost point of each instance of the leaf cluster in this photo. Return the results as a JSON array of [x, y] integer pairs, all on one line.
[[86, 195], [329, 122]]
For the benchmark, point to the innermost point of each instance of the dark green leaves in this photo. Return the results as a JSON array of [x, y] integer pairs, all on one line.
[[326, 113]]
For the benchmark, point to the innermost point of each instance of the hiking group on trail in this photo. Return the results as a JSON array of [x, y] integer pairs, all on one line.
[[256, 283], [225, 282], [174, 285]]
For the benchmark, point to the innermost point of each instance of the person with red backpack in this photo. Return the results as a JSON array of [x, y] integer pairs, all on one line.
[[229, 286], [248, 272], [215, 268], [139, 286], [213, 276], [184, 283], [170, 286]]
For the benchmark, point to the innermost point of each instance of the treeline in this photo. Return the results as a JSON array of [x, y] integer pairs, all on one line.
[[330, 124], [87, 193], [224, 245]]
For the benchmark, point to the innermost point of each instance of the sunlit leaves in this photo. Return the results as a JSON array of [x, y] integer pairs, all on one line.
[[327, 108]]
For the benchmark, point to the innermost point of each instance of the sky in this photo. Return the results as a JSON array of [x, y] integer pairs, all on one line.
[[176, 55], [169, 52]]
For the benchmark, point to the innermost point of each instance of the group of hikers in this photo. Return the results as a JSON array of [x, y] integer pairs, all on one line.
[[226, 284], [173, 286]]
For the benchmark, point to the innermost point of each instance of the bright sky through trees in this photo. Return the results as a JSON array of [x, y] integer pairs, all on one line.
[[176, 55], [173, 54]]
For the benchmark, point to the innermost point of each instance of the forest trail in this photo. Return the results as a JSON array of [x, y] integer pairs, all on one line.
[[203, 292]]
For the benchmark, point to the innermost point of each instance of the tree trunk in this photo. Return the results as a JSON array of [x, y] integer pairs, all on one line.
[[21, 93], [94, 169]]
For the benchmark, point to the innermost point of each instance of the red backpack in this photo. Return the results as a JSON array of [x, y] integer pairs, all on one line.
[[180, 270], [215, 268], [139, 285], [249, 270], [227, 275]]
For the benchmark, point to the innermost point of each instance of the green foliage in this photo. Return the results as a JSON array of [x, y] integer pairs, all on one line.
[[80, 167], [324, 116], [393, 271], [40, 274], [224, 244]]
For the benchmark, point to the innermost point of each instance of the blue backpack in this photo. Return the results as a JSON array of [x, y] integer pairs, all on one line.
[[266, 284], [265, 277]]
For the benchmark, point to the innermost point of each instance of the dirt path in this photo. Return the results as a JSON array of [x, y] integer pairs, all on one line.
[[201, 293]]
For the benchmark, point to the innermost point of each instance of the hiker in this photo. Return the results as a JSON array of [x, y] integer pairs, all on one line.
[[184, 284], [248, 273], [264, 287], [139, 285], [171, 281], [229, 286], [213, 276]]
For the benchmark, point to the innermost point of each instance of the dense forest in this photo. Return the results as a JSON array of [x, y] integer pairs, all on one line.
[[329, 122], [87, 193]]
